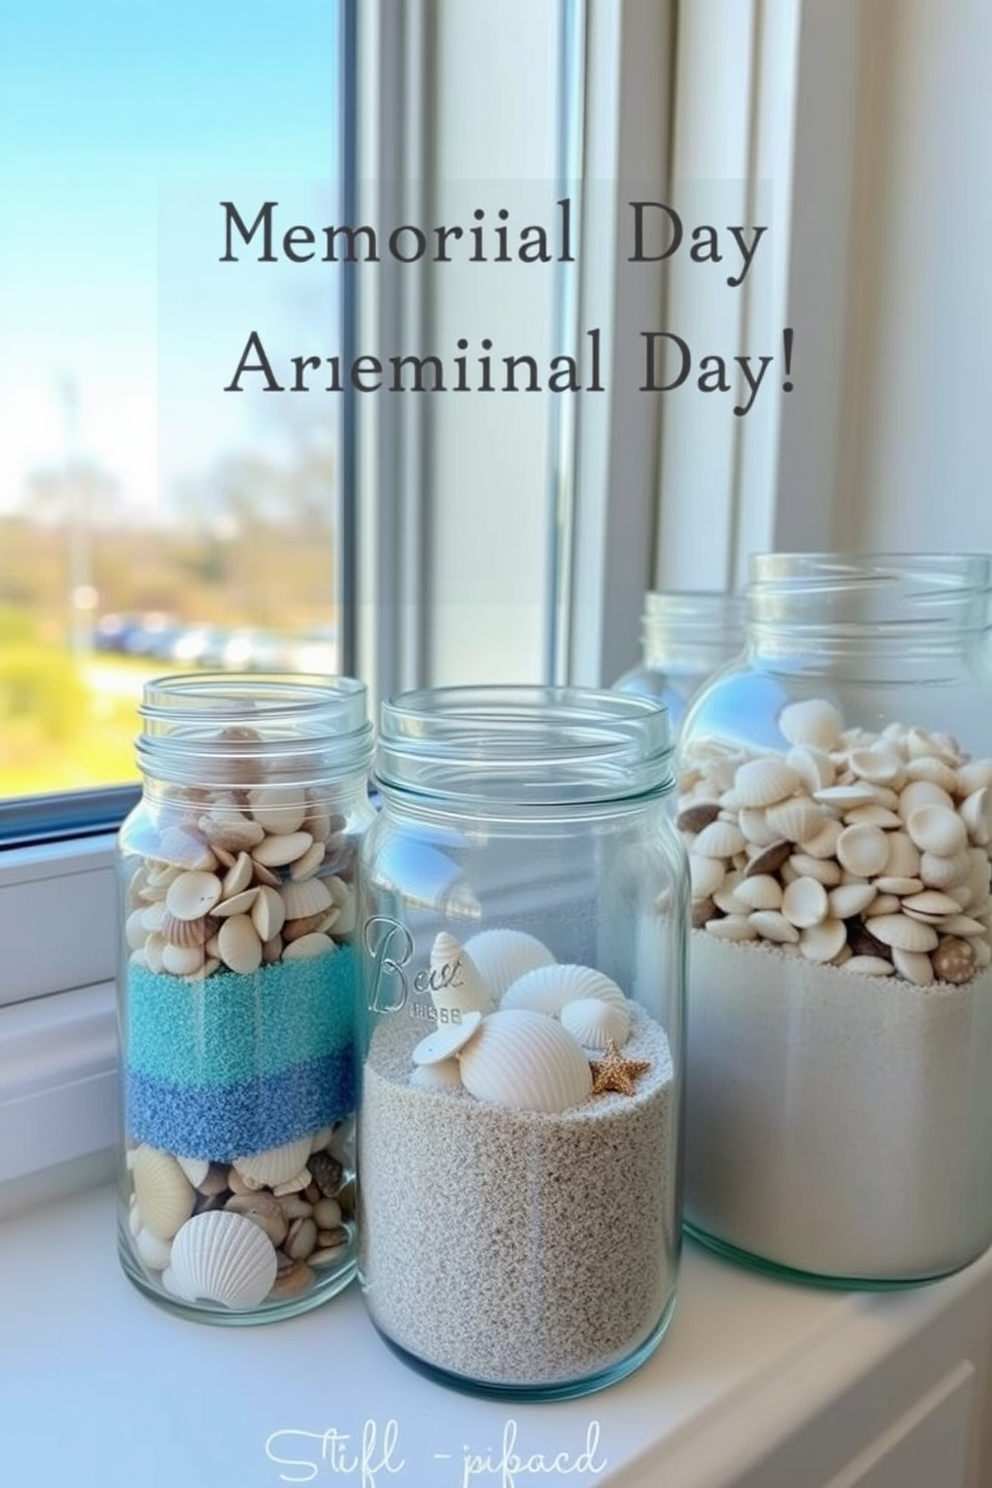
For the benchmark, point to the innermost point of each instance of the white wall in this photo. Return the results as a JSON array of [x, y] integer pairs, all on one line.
[[916, 441]]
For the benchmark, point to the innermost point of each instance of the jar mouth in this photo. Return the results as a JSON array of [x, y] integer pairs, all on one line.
[[523, 745], [688, 627], [906, 596], [197, 725]]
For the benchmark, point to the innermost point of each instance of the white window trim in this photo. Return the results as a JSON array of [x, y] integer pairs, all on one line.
[[57, 902]]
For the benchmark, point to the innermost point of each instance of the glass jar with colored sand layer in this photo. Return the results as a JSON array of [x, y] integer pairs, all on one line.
[[236, 993], [835, 796], [523, 914]]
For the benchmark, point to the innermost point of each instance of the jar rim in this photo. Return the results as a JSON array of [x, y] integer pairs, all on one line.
[[523, 744]]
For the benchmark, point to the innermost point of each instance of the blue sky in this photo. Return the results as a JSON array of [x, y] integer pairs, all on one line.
[[106, 107]]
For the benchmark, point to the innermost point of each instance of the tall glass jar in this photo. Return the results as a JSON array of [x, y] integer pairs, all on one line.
[[836, 800], [685, 638], [523, 910], [236, 985]]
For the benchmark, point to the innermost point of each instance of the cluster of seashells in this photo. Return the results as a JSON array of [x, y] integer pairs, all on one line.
[[867, 851], [238, 878], [516, 1026], [258, 1230]]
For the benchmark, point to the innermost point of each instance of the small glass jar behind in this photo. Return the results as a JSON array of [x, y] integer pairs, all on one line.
[[685, 638], [836, 800], [523, 910], [236, 993]]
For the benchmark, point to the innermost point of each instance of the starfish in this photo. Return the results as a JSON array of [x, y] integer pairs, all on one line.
[[616, 1073]]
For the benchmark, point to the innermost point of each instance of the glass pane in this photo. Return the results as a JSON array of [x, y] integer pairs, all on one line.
[[149, 520]]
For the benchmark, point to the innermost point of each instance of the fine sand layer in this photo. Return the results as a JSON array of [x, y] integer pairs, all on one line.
[[514, 1247], [837, 1123]]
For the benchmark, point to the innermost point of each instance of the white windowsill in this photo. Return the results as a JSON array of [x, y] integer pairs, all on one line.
[[97, 1378]]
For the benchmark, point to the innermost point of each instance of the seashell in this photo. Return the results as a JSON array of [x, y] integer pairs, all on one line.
[[240, 903], [186, 932], [446, 1075], [264, 875], [706, 875], [294, 1185], [763, 781], [804, 903], [824, 870], [883, 904], [181, 960], [863, 849], [903, 860], [843, 797], [954, 960], [888, 883], [501, 956], [694, 815], [547, 989], [721, 839], [903, 933], [195, 1168], [733, 927], [193, 894], [595, 1023], [154, 1252], [444, 1042], [975, 775], [760, 891], [308, 947], [279, 808], [824, 941], [930, 904], [278, 852], [922, 793], [847, 900], [939, 872], [230, 829], [869, 966], [937, 829], [873, 815], [796, 820], [914, 966], [772, 925], [814, 766], [769, 859], [309, 863], [163, 1194], [154, 948], [269, 912], [274, 1165], [976, 813], [239, 945], [222, 1257], [266, 1211], [296, 929], [879, 766], [813, 721], [455, 983], [525, 1060], [726, 898], [754, 824], [961, 924], [934, 770], [184, 850]]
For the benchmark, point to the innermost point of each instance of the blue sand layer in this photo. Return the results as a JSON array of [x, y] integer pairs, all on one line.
[[221, 1123], [231, 1028]]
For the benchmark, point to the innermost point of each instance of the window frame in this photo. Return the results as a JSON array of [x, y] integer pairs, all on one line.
[[633, 519]]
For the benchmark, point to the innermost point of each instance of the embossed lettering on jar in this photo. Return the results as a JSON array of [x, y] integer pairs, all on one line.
[[836, 801]]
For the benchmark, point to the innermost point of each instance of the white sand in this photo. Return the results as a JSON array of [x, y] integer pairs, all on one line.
[[837, 1123], [514, 1247]]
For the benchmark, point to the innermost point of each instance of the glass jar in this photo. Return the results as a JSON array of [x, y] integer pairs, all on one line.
[[836, 799], [236, 986], [523, 910], [685, 638]]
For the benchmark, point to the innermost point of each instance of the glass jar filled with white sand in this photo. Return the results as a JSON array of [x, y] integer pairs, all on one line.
[[523, 918], [835, 796], [686, 636], [237, 993]]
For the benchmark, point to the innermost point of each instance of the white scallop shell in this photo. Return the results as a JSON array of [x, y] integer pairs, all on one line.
[[706, 875], [547, 989], [304, 897], [937, 829], [869, 966], [275, 1164], [824, 941], [240, 947], [880, 766], [455, 981], [595, 1023], [901, 932], [813, 721], [849, 899], [279, 808], [976, 813], [721, 839], [903, 860], [445, 1075], [525, 1060], [762, 782], [863, 849], [772, 925], [501, 956], [922, 793], [193, 894], [939, 872], [796, 820], [804, 903], [164, 1195], [915, 966], [277, 852], [270, 910], [154, 1252], [761, 891], [446, 1041], [220, 1256], [308, 947], [814, 766]]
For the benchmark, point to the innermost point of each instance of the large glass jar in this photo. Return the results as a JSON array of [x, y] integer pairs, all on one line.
[[685, 638], [523, 913], [836, 801], [237, 993]]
